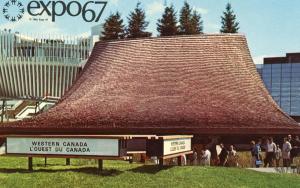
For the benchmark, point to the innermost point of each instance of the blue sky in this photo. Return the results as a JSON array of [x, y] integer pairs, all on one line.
[[272, 27]]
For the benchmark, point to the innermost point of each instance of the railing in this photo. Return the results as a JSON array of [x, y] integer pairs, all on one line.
[[24, 108], [25, 113]]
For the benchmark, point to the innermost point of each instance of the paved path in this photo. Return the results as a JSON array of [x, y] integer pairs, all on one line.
[[274, 170]]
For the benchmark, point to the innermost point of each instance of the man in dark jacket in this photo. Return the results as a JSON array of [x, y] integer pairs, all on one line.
[[295, 147], [223, 155]]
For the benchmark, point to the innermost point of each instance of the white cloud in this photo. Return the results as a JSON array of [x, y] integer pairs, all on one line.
[[201, 10], [155, 7], [114, 2]]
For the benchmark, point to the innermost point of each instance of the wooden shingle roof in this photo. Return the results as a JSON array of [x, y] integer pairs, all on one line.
[[202, 84]]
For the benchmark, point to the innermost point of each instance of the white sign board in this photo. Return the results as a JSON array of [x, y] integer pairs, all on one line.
[[179, 145], [63, 146]]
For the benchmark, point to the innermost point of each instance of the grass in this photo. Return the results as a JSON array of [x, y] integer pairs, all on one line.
[[83, 173]]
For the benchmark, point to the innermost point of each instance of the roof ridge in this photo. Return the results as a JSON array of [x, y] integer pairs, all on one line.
[[230, 35]]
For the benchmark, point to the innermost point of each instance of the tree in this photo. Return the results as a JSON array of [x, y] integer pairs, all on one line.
[[113, 27], [185, 17], [190, 22], [229, 23], [167, 25], [137, 24], [197, 23]]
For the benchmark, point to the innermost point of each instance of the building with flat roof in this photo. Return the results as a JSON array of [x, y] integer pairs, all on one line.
[[281, 76]]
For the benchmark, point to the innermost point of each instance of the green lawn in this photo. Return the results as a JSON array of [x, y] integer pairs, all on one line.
[[83, 173]]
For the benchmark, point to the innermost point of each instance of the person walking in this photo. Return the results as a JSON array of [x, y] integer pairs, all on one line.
[[289, 138], [223, 156], [232, 157], [270, 154], [255, 153], [286, 150], [278, 155], [195, 157], [205, 158], [295, 143]]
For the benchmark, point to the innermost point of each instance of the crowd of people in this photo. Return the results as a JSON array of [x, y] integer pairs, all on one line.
[[274, 154], [226, 157]]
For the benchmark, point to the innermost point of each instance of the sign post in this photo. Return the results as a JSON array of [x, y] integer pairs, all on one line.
[[108, 147], [93, 147], [68, 161], [100, 147], [30, 164], [165, 147], [100, 165]]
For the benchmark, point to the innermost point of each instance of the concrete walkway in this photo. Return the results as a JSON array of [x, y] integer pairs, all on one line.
[[275, 170]]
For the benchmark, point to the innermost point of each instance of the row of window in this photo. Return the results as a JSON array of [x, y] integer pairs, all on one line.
[[283, 83], [281, 65]]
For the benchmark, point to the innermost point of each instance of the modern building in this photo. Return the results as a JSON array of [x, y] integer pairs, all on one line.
[[39, 68], [204, 85], [35, 68], [281, 76]]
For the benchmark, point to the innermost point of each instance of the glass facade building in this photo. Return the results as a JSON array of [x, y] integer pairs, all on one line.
[[281, 76]]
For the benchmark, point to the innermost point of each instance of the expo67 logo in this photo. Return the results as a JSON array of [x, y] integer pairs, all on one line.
[[13, 10], [90, 11]]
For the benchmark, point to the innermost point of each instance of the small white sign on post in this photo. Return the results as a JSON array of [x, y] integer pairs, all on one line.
[[63, 146], [173, 146]]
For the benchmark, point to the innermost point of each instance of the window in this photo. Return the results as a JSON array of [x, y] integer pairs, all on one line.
[[276, 85], [285, 80], [286, 109], [275, 94], [296, 67], [286, 67], [276, 66]]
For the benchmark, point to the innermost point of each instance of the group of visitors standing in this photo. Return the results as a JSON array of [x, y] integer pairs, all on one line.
[[275, 154], [226, 157], [290, 148]]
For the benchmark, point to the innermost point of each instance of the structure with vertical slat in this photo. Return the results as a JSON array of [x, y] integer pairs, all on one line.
[[36, 67]]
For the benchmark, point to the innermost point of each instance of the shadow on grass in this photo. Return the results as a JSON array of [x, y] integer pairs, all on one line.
[[86, 170], [149, 169], [60, 164], [48, 165]]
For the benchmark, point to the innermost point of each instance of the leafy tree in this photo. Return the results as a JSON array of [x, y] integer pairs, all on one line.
[[229, 23], [185, 17], [137, 24], [167, 25], [113, 27], [190, 21], [197, 23]]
